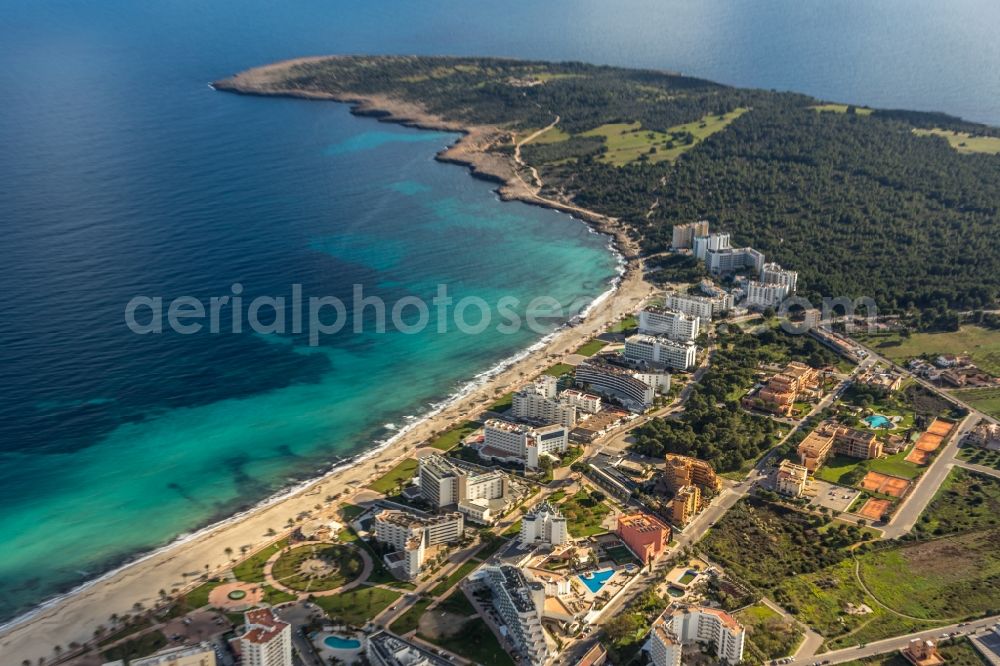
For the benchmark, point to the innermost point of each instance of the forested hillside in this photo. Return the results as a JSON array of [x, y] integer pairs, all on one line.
[[856, 202]]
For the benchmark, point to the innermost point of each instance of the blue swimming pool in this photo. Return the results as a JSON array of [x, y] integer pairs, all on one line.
[[596, 580], [338, 643], [878, 421]]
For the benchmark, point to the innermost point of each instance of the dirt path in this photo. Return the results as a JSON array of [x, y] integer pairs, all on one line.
[[517, 156]]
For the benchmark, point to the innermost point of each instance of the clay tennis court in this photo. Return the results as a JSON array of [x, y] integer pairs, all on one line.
[[886, 484], [929, 442], [874, 509]]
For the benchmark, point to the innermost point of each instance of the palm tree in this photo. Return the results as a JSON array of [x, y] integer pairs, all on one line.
[[229, 552], [58, 650]]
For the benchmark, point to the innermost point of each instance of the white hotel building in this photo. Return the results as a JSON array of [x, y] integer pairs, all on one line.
[[695, 624], [635, 390], [702, 307], [654, 349], [765, 295], [410, 536], [774, 274], [544, 524], [670, 323], [478, 494], [519, 602], [523, 442]]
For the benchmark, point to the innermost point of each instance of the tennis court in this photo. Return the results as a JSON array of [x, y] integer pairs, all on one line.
[[885, 484], [874, 509]]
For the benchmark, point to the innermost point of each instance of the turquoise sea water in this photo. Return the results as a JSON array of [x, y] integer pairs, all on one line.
[[122, 173]]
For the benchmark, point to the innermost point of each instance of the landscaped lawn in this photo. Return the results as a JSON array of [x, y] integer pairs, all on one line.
[[627, 324], [982, 344], [357, 606], [771, 634], [848, 471], [379, 573], [584, 514], [344, 561], [395, 477], [503, 403], [274, 596], [410, 620], [251, 570], [559, 369], [450, 438], [592, 347], [198, 597], [477, 643]]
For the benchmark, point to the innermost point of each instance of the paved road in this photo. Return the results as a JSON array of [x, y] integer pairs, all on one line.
[[981, 469], [909, 511], [891, 644], [812, 641]]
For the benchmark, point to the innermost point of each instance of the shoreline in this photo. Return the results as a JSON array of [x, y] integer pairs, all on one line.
[[73, 615]]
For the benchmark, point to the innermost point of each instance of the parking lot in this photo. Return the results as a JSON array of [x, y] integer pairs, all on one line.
[[832, 496]]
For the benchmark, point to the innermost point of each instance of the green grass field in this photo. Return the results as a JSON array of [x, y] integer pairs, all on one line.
[[251, 570], [629, 323], [359, 605], [849, 471], [772, 635], [410, 620], [503, 403], [840, 108], [458, 604], [938, 579], [584, 515], [986, 400], [450, 438], [982, 344], [345, 561], [966, 501], [477, 643], [964, 142], [590, 348], [559, 369], [454, 577], [398, 475], [552, 135], [630, 142]]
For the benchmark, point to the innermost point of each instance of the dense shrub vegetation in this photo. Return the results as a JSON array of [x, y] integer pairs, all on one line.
[[858, 204]]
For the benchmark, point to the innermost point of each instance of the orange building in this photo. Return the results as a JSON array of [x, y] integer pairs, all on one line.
[[830, 438], [685, 505], [778, 396], [646, 536], [683, 471]]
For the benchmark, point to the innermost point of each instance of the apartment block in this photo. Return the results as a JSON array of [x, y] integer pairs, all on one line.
[[672, 324], [702, 307], [681, 471], [384, 649], [411, 535], [830, 438], [267, 641], [684, 234], [519, 602], [773, 273], [616, 382], [661, 350], [530, 404], [779, 394], [790, 479], [584, 402], [764, 295], [184, 655], [544, 524], [679, 626], [645, 535], [684, 506]]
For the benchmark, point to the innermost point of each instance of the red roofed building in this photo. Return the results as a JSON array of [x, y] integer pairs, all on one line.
[[267, 641], [647, 536]]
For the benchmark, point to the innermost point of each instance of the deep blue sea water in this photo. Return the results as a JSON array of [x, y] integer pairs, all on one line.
[[122, 173]]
